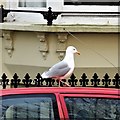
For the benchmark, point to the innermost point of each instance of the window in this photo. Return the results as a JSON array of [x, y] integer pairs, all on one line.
[[32, 3], [91, 12], [97, 12], [93, 109], [29, 107], [91, 2]]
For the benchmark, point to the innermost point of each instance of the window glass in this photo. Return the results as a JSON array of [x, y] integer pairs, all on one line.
[[93, 109], [29, 107], [32, 3], [91, 2]]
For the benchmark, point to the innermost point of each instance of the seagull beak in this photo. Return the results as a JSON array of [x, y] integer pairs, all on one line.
[[78, 53]]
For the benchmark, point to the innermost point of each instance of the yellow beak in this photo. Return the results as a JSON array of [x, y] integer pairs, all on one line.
[[78, 53]]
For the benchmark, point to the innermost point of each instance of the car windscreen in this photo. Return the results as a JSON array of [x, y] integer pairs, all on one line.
[[29, 107], [92, 108]]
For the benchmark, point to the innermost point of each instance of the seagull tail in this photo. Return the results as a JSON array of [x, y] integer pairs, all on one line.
[[44, 75]]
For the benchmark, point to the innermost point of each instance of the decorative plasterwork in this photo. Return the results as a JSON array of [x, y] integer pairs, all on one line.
[[43, 46], [9, 46], [61, 44]]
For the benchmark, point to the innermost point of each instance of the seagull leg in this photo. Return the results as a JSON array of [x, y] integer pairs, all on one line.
[[65, 83], [59, 82]]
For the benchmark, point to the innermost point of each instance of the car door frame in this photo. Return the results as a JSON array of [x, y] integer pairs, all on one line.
[[92, 95]]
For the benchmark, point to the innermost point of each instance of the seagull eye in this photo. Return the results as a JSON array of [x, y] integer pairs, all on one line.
[[74, 49]]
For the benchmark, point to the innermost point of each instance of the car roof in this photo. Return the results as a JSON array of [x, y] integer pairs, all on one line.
[[62, 90]]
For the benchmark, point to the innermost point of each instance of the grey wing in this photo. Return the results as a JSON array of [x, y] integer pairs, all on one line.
[[59, 69]]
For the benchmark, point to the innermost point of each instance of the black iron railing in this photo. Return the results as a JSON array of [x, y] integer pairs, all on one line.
[[16, 82], [48, 15], [52, 15]]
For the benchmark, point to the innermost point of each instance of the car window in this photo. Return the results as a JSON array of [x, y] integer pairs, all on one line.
[[29, 107], [93, 109]]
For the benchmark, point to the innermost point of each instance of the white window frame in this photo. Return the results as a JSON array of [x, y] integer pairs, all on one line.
[[59, 6], [90, 8], [93, 18], [14, 4]]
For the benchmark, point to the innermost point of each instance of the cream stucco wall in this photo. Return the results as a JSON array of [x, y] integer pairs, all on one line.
[[26, 56], [0, 53], [3, 2]]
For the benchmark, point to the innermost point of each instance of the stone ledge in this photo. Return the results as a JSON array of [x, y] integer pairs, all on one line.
[[59, 28]]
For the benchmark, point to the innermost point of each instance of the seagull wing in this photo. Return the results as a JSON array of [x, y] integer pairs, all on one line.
[[57, 70]]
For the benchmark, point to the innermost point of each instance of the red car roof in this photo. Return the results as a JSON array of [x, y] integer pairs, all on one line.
[[67, 90]]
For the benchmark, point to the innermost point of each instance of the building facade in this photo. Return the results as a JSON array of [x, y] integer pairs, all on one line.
[[28, 44]]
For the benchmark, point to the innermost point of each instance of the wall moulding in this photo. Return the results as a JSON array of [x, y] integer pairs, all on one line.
[[61, 44], [9, 42], [43, 46]]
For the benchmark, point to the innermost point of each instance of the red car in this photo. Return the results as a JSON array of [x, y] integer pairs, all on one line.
[[60, 103]]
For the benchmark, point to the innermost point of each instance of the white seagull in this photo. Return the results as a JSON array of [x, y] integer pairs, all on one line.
[[64, 68]]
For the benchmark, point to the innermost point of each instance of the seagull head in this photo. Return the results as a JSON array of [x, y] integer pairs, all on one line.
[[72, 50]]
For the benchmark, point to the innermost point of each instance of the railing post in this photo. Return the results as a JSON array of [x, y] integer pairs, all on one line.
[[27, 81], [106, 81], [49, 82], [38, 80], [15, 81], [95, 81], [73, 81], [50, 16], [61, 83], [3, 13], [116, 81], [4, 81], [84, 81]]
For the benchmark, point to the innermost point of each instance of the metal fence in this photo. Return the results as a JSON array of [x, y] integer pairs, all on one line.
[[52, 15], [16, 82]]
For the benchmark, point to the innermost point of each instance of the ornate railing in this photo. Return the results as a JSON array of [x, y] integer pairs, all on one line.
[[16, 82], [52, 15]]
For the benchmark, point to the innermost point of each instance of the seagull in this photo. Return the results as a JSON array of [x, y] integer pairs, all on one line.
[[64, 68]]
